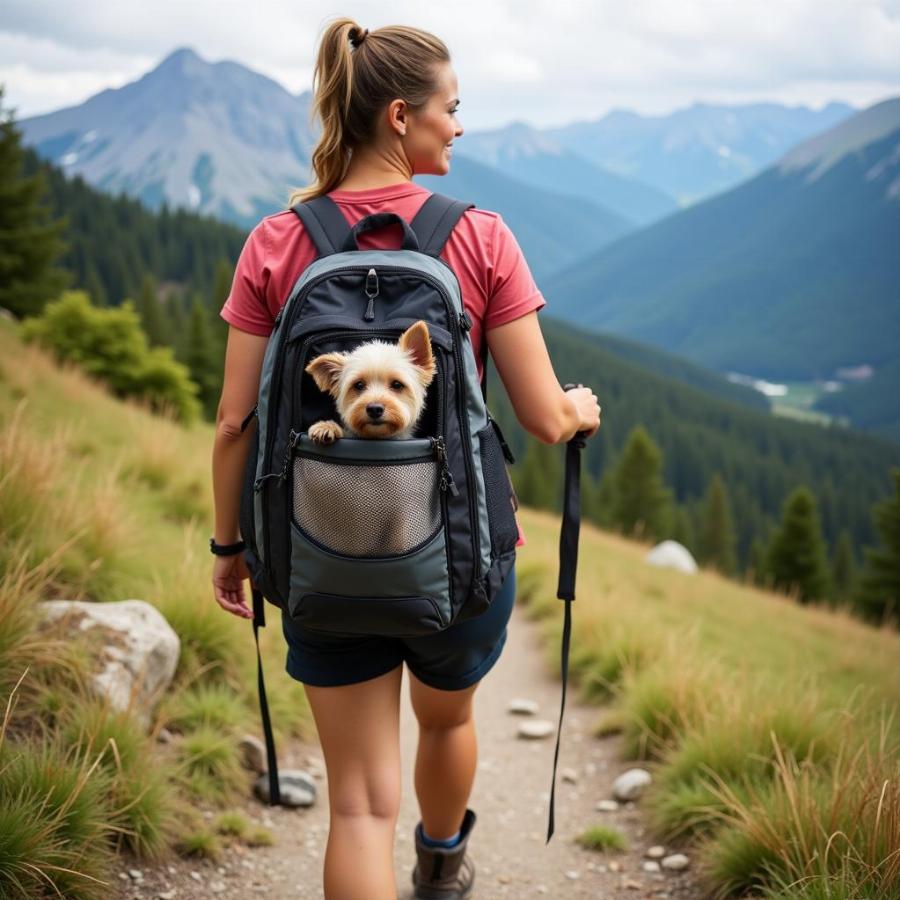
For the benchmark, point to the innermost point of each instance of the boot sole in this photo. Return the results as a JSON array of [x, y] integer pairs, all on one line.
[[465, 895]]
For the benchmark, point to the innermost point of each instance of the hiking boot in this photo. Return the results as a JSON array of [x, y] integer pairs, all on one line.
[[443, 873]]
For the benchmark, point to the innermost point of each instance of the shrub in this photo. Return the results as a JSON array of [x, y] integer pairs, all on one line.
[[109, 345]]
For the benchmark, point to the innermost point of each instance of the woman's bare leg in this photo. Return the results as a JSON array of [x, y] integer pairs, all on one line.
[[446, 756], [359, 729]]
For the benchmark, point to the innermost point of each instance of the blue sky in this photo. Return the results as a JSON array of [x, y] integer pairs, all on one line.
[[546, 62]]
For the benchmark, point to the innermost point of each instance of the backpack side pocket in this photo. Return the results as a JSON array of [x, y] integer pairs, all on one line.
[[498, 493]]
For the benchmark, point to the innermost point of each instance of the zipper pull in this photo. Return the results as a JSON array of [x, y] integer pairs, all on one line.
[[293, 438], [371, 293], [446, 475]]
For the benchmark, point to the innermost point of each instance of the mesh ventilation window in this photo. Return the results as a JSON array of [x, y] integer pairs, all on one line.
[[367, 510]]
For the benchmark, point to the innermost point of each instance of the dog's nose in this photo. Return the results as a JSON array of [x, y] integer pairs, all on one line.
[[375, 410]]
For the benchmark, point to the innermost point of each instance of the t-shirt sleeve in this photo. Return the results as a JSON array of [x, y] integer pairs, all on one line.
[[245, 306], [512, 291]]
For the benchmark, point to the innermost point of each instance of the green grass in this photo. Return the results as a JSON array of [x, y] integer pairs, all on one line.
[[743, 704], [102, 501], [603, 837]]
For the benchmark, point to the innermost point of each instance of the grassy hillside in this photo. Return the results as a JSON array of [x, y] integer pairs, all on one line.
[[768, 727], [742, 702], [101, 500]]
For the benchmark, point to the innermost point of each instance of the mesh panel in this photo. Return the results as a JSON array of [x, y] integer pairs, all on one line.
[[367, 510]]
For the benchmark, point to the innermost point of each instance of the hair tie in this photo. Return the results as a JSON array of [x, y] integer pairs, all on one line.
[[357, 36]]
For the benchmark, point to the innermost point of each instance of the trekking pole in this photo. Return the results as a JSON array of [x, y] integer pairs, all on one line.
[[568, 562]]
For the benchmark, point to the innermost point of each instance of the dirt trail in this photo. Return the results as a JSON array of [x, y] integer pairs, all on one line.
[[510, 797]]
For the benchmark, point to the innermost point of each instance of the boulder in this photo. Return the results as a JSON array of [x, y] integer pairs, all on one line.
[[630, 784], [137, 650], [297, 787], [672, 555]]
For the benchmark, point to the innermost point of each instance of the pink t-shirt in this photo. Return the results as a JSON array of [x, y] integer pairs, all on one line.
[[496, 284]]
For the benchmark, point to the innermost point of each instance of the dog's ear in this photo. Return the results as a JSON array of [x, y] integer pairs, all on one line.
[[417, 342], [326, 371]]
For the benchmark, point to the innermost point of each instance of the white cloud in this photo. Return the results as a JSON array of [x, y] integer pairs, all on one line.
[[542, 61]]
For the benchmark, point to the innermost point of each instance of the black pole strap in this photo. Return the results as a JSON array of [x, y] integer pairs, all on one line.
[[568, 563], [259, 621]]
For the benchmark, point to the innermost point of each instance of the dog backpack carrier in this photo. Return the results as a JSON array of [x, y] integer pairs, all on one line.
[[319, 521]]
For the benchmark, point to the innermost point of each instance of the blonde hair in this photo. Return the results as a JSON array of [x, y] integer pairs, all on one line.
[[350, 88]]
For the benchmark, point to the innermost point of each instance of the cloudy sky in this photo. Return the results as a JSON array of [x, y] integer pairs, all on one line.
[[546, 62]]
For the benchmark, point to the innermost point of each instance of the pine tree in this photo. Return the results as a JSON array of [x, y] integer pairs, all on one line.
[[201, 358], [222, 279], [878, 596], [30, 242], [757, 573], [642, 502], [152, 313], [683, 529], [539, 481], [843, 570], [796, 555], [93, 285], [717, 546]]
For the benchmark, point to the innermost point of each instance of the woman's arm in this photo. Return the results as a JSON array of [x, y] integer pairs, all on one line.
[[543, 408], [243, 364]]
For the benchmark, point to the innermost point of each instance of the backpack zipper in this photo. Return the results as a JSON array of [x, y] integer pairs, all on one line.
[[296, 303]]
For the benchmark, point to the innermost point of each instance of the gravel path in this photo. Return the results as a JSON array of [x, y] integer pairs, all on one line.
[[510, 797]]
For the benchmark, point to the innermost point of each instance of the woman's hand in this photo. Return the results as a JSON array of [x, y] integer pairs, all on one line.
[[585, 402], [229, 573]]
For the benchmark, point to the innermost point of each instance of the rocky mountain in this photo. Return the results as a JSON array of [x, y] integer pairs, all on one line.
[[216, 138], [788, 276], [693, 153], [533, 156]]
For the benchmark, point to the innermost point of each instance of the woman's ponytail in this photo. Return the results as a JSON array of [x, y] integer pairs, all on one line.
[[358, 72]]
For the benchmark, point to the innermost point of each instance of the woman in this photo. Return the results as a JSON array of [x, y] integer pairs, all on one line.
[[389, 96]]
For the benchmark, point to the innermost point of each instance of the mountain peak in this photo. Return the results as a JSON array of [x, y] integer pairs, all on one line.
[[181, 57]]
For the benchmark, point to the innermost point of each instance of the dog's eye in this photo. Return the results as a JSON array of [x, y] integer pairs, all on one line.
[[398, 385], [360, 385]]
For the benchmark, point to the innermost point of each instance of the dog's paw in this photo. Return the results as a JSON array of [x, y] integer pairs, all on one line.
[[325, 432]]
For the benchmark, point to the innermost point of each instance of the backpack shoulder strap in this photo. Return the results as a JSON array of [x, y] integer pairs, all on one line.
[[435, 220], [324, 222]]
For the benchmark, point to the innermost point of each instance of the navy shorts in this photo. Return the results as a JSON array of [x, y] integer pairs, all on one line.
[[451, 660]]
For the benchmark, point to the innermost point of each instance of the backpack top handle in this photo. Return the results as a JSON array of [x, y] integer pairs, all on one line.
[[379, 220], [328, 228]]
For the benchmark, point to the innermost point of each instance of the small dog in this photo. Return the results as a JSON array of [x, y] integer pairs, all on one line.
[[379, 388]]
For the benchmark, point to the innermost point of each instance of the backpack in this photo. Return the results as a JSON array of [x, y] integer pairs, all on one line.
[[319, 521]]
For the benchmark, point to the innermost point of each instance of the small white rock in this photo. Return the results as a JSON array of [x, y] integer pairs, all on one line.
[[657, 851], [606, 805], [522, 706], [535, 728], [136, 874], [675, 862], [630, 784], [168, 895], [650, 865], [569, 775], [572, 875]]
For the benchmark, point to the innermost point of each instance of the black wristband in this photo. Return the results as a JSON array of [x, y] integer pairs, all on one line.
[[226, 549]]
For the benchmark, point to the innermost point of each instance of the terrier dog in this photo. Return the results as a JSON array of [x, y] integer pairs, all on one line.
[[379, 388]]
